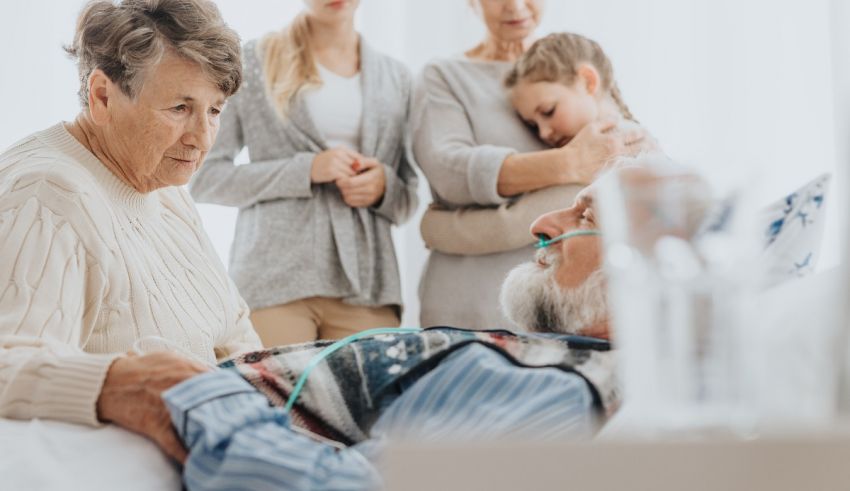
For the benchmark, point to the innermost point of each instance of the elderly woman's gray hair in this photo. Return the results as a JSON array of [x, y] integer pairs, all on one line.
[[126, 38]]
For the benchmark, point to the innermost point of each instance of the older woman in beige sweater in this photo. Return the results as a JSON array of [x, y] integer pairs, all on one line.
[[101, 246], [480, 158]]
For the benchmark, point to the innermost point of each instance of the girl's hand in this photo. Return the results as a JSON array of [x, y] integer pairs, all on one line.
[[333, 165], [366, 188]]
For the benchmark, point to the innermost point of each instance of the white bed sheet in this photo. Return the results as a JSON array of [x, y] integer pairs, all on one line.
[[48, 455]]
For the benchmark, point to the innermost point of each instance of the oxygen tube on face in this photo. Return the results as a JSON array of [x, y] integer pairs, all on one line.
[[577, 233]]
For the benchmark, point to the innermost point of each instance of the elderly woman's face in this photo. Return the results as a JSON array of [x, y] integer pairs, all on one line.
[[161, 138], [331, 11], [511, 20]]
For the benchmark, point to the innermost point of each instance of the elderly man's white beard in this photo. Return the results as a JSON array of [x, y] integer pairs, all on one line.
[[533, 300]]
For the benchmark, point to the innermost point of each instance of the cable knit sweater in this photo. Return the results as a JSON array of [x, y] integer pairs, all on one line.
[[89, 265]]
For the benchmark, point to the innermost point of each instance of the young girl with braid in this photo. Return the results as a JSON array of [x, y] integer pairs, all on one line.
[[561, 84]]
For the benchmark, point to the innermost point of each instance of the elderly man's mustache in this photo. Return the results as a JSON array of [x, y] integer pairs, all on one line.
[[547, 258]]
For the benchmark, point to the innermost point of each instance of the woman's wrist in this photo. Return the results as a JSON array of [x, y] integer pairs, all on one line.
[[523, 172], [564, 163], [109, 391]]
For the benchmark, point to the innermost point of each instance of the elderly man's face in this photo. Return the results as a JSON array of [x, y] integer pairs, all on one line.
[[161, 138], [564, 289], [576, 258]]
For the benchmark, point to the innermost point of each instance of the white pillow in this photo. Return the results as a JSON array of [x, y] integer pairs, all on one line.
[[793, 230]]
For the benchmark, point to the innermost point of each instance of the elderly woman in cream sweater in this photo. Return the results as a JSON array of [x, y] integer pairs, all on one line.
[[101, 246]]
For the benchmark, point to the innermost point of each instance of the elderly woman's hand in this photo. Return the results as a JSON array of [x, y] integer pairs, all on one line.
[[596, 145], [131, 396]]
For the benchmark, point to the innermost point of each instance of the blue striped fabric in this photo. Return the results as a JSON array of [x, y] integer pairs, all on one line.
[[237, 441]]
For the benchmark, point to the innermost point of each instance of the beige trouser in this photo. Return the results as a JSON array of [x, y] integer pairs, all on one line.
[[315, 318]]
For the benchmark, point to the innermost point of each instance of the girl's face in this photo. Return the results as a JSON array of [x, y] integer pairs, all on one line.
[[331, 11], [510, 20], [557, 112]]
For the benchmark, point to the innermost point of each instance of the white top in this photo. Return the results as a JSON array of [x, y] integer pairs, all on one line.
[[337, 108], [89, 265]]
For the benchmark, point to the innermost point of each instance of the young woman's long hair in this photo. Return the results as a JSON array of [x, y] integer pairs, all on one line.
[[288, 62]]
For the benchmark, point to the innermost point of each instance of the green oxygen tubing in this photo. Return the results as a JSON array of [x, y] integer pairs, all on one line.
[[569, 235], [314, 362]]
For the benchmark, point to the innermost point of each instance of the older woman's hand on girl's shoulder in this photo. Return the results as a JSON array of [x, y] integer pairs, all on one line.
[[366, 188], [636, 138], [334, 164], [595, 146], [131, 396]]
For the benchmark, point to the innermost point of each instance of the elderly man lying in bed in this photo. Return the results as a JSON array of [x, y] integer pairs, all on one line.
[[334, 406], [434, 384]]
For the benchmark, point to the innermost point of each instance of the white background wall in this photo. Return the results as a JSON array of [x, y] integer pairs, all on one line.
[[741, 89]]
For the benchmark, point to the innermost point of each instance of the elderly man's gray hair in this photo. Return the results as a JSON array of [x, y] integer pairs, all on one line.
[[126, 38]]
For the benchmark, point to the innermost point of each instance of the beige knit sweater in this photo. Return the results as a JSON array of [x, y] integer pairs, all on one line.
[[88, 265]]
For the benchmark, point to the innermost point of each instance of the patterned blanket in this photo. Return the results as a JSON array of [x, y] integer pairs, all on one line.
[[345, 392]]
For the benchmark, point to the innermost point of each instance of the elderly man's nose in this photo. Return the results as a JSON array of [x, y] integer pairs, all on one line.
[[549, 225]]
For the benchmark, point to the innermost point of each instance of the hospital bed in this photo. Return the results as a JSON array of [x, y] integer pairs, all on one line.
[[52, 455]]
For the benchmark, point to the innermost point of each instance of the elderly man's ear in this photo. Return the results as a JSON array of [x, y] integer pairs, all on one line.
[[101, 89]]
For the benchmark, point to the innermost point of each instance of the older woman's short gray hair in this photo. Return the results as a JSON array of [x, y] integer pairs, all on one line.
[[126, 38]]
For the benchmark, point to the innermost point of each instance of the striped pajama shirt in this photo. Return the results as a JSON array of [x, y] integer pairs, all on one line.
[[237, 441]]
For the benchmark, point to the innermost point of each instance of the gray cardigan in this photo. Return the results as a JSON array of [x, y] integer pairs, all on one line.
[[295, 239], [463, 130]]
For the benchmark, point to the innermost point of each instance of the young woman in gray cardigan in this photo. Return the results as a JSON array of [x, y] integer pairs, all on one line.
[[323, 117], [477, 154]]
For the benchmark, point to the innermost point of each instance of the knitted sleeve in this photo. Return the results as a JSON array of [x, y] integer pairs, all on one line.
[[220, 181], [241, 337], [401, 196], [51, 291], [460, 170], [479, 231]]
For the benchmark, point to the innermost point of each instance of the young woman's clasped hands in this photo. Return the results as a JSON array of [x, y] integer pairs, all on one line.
[[361, 180]]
